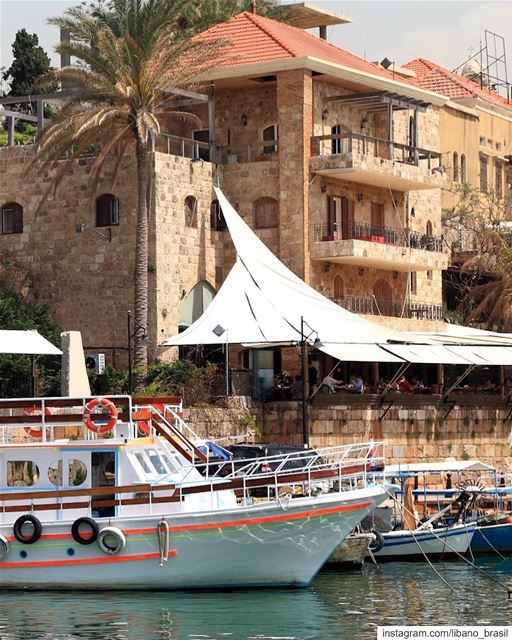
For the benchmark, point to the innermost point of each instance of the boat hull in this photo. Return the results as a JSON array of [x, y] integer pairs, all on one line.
[[492, 538], [442, 542], [262, 545]]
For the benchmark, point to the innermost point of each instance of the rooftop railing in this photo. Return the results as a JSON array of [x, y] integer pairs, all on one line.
[[374, 306]]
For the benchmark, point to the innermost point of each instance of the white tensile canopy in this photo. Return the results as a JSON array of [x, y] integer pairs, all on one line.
[[26, 342], [262, 302]]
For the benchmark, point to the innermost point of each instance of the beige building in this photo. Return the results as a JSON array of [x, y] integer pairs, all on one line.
[[335, 162]]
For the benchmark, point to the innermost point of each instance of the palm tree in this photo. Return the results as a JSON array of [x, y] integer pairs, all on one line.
[[129, 59], [490, 300]]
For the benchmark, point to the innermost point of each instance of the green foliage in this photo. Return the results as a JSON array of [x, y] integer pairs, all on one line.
[[26, 136], [15, 313], [181, 377], [465, 455], [29, 63], [111, 381]]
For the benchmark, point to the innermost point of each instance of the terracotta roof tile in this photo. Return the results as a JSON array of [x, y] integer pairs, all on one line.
[[435, 78], [255, 39]]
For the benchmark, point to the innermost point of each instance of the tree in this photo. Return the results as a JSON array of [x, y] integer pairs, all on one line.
[[30, 62], [479, 230], [129, 59]]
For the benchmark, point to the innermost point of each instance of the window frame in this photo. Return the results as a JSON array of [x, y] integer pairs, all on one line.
[[191, 221], [270, 149], [111, 212], [257, 214], [16, 225]]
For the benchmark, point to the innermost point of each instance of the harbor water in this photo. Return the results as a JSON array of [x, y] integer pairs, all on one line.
[[337, 605]]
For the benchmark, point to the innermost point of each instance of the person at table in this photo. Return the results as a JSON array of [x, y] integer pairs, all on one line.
[[332, 385], [404, 386], [356, 384], [488, 386]]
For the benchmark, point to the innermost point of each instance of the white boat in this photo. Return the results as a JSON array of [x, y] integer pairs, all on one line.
[[86, 503], [439, 542]]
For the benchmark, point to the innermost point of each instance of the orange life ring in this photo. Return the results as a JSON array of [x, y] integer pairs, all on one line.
[[31, 431], [100, 428]]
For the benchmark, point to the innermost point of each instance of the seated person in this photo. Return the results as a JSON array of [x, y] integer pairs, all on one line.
[[404, 386], [488, 386], [296, 388], [417, 385], [331, 383], [356, 384]]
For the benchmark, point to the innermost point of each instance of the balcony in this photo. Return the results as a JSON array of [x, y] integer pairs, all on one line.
[[376, 162], [371, 305], [367, 245]]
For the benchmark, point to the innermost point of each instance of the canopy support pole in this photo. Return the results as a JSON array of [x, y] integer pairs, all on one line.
[[457, 382], [305, 385]]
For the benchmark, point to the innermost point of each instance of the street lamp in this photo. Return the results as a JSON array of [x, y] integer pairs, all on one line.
[[305, 377], [140, 332], [218, 331]]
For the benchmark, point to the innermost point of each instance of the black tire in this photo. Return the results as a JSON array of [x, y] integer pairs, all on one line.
[[378, 543], [77, 536], [18, 529]]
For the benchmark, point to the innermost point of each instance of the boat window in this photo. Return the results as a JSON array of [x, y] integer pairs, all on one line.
[[77, 473], [55, 473], [170, 462], [22, 473], [144, 463], [157, 462]]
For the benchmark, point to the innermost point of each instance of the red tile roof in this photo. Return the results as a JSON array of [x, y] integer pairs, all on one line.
[[254, 39], [432, 77]]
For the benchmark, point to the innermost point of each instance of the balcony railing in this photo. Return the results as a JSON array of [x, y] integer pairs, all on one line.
[[383, 307], [255, 152], [184, 147], [350, 142], [372, 233]]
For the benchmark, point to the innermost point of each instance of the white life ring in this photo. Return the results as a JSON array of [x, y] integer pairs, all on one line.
[[4, 548], [111, 540]]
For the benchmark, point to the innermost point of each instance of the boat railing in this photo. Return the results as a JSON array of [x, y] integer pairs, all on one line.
[[52, 418]]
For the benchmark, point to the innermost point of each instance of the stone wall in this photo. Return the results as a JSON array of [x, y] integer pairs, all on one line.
[[412, 434]]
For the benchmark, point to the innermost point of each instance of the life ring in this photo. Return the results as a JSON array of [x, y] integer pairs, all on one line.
[[4, 548], [378, 543], [33, 432], [82, 522], [99, 427], [111, 540], [18, 529]]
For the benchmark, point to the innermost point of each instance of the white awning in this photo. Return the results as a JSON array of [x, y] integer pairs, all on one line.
[[426, 354], [484, 356], [358, 352], [27, 342], [443, 466]]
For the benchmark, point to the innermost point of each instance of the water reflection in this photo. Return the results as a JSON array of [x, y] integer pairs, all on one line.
[[337, 605]]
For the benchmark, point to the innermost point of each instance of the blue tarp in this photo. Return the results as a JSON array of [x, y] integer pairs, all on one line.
[[209, 447]]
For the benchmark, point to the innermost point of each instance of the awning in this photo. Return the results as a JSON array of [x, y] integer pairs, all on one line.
[[426, 354], [484, 356], [27, 342], [358, 352], [443, 466]]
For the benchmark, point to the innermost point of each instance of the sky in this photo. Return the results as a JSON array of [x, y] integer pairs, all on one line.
[[443, 31]]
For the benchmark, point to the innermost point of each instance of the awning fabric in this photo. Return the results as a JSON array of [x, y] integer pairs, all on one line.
[[426, 354], [358, 353], [443, 466], [484, 355], [458, 334], [27, 342], [261, 300]]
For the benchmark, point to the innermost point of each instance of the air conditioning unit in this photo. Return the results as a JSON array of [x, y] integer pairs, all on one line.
[[96, 362]]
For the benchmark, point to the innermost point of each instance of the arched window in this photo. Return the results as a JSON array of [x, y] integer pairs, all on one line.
[[338, 288], [455, 166], [12, 218], [428, 228], [266, 213], [463, 177], [269, 134], [191, 212], [217, 221], [107, 210]]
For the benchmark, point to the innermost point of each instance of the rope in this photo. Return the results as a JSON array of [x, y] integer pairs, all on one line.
[[163, 541], [460, 555]]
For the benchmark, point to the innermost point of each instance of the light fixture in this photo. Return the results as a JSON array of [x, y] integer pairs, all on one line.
[[395, 275], [244, 119], [219, 330], [325, 113], [328, 266], [359, 197], [386, 63], [364, 121], [360, 271], [80, 228], [323, 188]]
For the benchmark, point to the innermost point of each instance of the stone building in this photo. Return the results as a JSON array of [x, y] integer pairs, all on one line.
[[335, 162]]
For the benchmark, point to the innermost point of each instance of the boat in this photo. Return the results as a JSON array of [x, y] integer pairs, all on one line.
[[407, 537], [351, 553], [105, 493]]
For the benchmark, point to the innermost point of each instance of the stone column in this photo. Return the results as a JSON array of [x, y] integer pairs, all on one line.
[[295, 122]]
